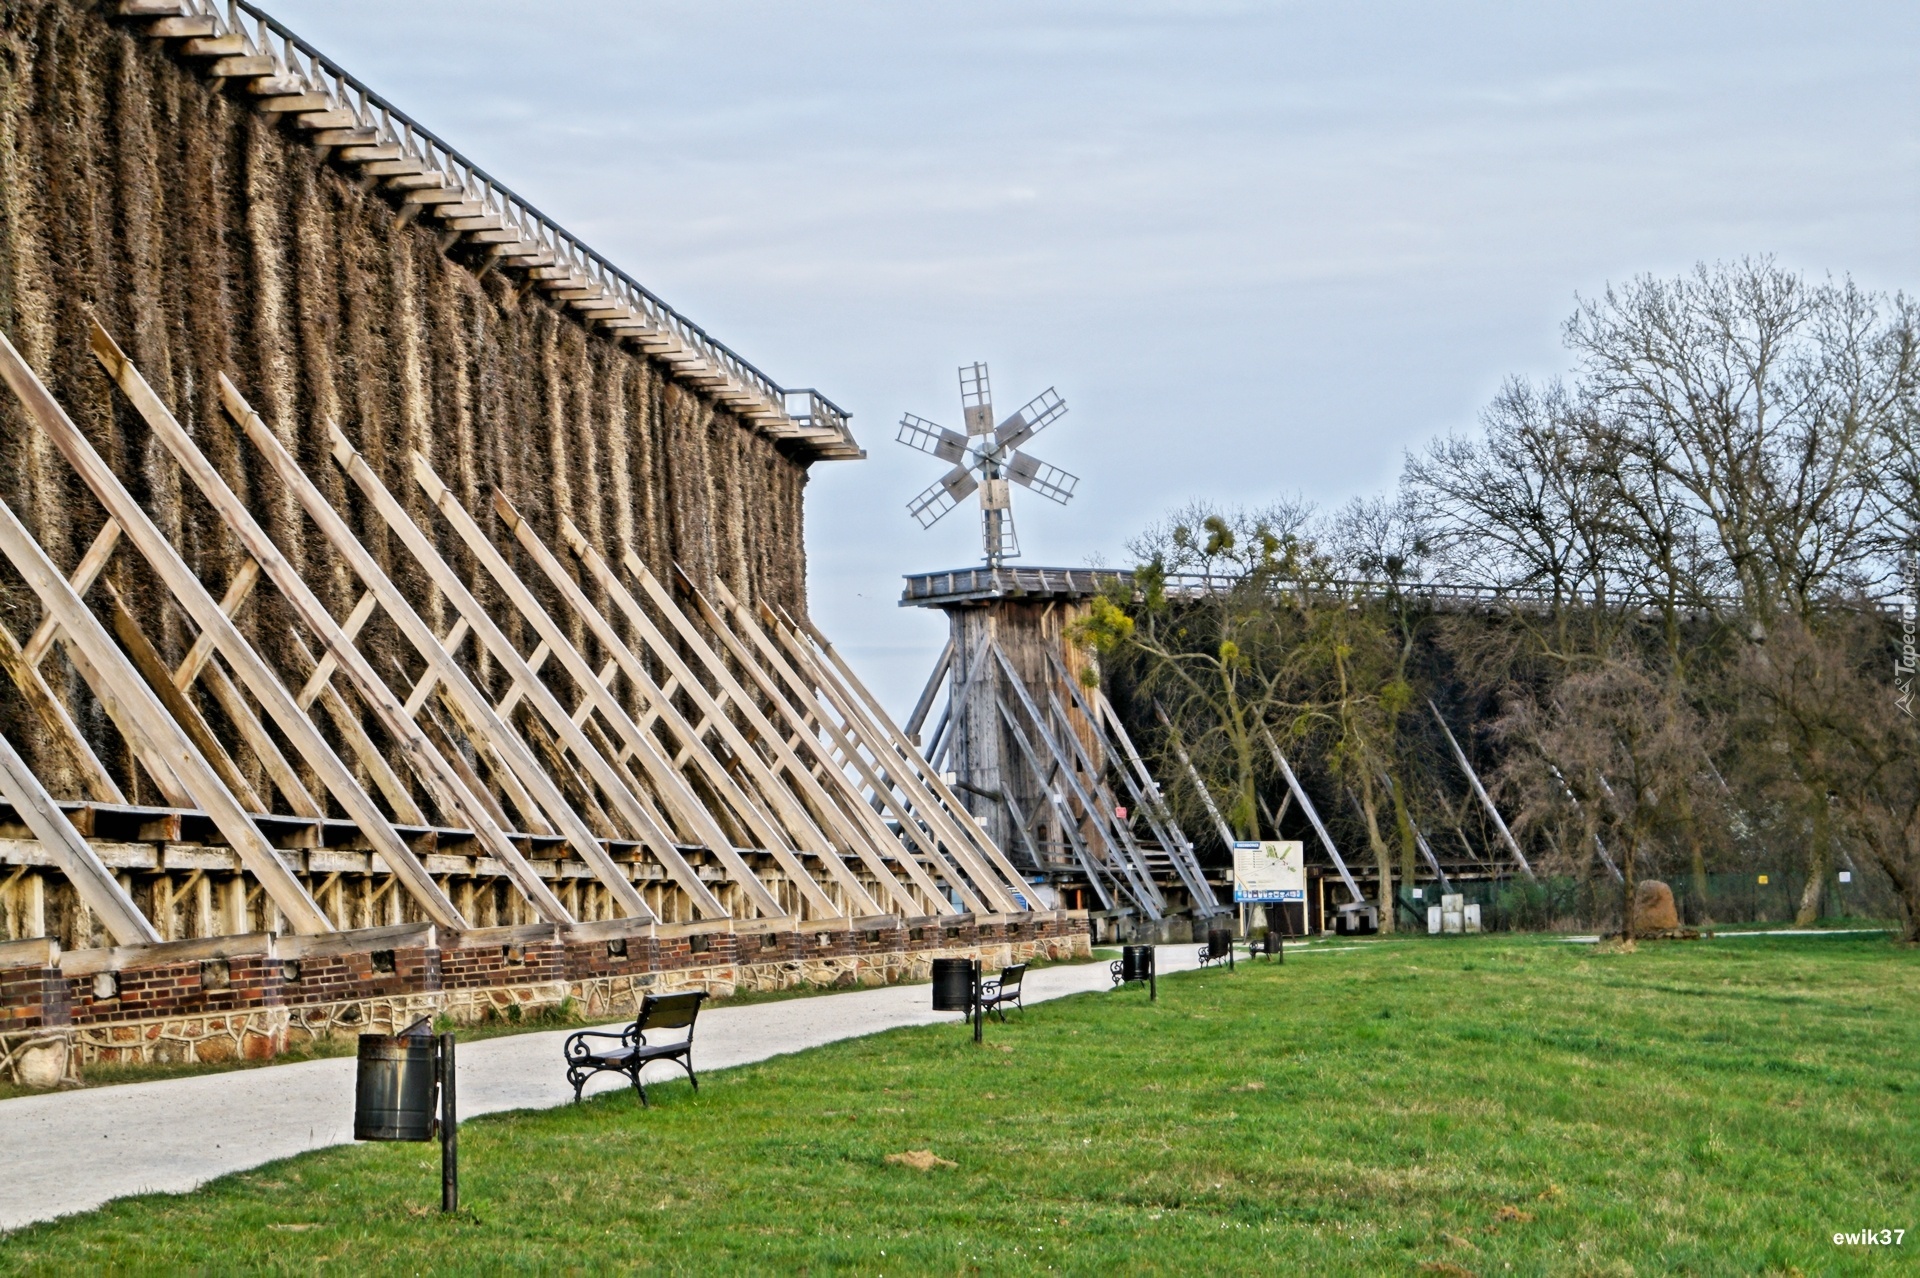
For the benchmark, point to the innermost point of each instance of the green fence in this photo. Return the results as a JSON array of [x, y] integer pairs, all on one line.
[[1560, 903]]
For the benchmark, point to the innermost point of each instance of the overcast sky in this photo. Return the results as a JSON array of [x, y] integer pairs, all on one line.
[[1259, 248]]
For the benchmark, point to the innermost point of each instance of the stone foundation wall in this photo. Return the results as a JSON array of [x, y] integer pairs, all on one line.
[[255, 997]]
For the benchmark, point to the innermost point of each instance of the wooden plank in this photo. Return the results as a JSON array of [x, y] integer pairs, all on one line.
[[153, 668], [836, 674], [259, 678], [715, 718], [350, 629], [91, 879], [134, 705], [85, 573], [964, 836], [238, 592], [347, 723], [61, 729], [544, 789], [441, 734], [717, 776], [426, 762]]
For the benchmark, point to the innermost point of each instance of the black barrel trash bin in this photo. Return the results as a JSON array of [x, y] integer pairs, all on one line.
[[1136, 962], [396, 1089], [952, 985]]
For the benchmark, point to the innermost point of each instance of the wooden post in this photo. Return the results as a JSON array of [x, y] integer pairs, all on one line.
[[515, 751], [426, 762], [92, 881], [134, 706], [213, 620], [665, 777]]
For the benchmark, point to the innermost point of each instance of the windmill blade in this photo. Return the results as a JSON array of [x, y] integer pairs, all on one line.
[[996, 528], [1046, 479], [951, 489], [1039, 413], [931, 437], [976, 399]]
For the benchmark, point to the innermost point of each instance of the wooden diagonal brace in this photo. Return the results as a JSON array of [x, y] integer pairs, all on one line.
[[253, 671], [91, 879], [426, 762], [835, 674], [544, 789], [859, 828], [472, 703], [61, 729], [716, 774]]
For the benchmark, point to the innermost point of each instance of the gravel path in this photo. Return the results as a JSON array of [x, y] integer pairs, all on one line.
[[71, 1151]]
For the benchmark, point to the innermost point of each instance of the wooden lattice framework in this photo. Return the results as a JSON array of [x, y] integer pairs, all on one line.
[[662, 757]]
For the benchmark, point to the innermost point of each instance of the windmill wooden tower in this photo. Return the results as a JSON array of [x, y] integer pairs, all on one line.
[[1022, 727]]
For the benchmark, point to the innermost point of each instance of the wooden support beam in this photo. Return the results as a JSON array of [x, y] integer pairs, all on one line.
[[346, 721], [1499, 824], [545, 791], [238, 592], [879, 763], [85, 573], [902, 763], [350, 629], [61, 729], [1147, 799], [253, 671], [1089, 864], [1140, 885], [234, 705], [153, 668], [856, 825], [836, 675], [680, 800], [793, 820], [92, 881], [927, 694], [796, 707], [133, 704], [430, 679], [426, 762], [469, 698], [121, 688], [1300, 796]]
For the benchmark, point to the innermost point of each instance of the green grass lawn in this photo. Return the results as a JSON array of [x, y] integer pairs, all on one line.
[[1469, 1105]]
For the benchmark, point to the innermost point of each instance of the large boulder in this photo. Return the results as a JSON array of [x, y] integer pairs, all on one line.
[[1653, 909]]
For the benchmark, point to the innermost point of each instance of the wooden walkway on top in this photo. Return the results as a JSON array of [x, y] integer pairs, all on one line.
[[287, 78]]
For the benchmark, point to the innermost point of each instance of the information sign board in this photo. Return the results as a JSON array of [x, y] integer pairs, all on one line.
[[1271, 871]]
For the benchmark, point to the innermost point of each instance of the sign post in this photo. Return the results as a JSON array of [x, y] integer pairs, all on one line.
[[1271, 873]]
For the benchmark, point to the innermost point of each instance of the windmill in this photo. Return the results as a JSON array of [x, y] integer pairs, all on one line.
[[987, 459]]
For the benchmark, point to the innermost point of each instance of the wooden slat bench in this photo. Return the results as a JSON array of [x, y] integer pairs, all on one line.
[[630, 1052], [995, 995]]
